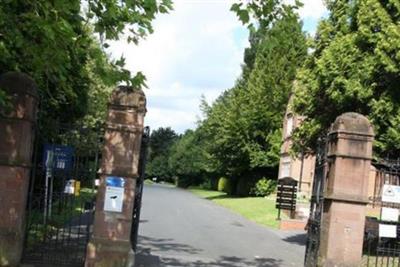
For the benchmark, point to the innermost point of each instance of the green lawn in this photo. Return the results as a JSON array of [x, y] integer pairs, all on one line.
[[148, 182], [257, 209]]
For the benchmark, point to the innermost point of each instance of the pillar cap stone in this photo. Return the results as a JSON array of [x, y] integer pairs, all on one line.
[[354, 123], [20, 83], [128, 97]]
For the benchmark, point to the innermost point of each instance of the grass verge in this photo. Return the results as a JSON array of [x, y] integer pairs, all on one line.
[[257, 209]]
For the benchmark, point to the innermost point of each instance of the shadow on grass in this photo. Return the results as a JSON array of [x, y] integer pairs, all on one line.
[[230, 197], [220, 197]]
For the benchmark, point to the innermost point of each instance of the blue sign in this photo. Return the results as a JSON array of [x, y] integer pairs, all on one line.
[[58, 157], [115, 181]]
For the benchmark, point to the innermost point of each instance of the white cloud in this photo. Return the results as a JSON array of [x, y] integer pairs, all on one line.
[[312, 9], [195, 50]]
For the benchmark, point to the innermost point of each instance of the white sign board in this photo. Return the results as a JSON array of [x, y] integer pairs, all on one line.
[[70, 187], [391, 193], [114, 197], [389, 214], [387, 230]]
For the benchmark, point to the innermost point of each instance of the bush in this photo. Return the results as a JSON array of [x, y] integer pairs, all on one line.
[[214, 183], [244, 186], [184, 181], [206, 185], [224, 185], [264, 187]]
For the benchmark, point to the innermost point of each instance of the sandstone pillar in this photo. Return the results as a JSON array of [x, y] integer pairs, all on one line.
[[16, 146], [346, 194], [110, 245]]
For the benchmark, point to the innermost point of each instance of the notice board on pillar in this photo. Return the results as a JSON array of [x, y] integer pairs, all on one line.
[[286, 194], [114, 197], [389, 220]]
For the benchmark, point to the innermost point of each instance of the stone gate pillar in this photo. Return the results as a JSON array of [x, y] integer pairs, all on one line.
[[346, 195], [16, 146], [110, 245]]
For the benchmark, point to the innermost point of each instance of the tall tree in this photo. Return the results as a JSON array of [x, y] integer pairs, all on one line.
[[53, 41], [280, 54], [189, 161], [243, 127], [355, 66], [161, 141]]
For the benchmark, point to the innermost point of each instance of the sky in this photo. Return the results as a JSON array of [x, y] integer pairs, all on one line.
[[196, 50]]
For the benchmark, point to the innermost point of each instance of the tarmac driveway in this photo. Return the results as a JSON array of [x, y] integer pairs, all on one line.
[[180, 229]]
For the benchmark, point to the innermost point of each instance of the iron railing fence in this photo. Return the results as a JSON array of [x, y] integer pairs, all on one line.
[[59, 215], [377, 249], [316, 206], [58, 230]]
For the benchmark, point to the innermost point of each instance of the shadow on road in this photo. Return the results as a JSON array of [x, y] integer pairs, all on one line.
[[299, 239], [164, 245], [149, 250]]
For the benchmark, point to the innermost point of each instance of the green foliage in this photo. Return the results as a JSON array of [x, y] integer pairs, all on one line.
[[188, 160], [224, 185], [4, 102], [133, 17], [355, 67], [264, 13], [264, 187], [53, 42], [243, 126], [158, 167], [209, 184], [243, 186], [240, 135], [161, 142]]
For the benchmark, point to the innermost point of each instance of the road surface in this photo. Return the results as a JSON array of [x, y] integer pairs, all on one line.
[[180, 229]]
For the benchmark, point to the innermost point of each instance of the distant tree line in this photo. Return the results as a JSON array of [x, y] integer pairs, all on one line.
[[351, 64]]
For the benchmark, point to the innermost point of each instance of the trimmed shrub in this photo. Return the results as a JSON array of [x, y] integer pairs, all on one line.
[[224, 185], [264, 187]]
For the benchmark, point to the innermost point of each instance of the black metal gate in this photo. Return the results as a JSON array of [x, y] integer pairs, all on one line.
[[316, 207], [139, 187], [61, 197], [378, 249]]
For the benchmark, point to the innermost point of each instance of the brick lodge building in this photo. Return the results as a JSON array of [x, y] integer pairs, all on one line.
[[301, 166]]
